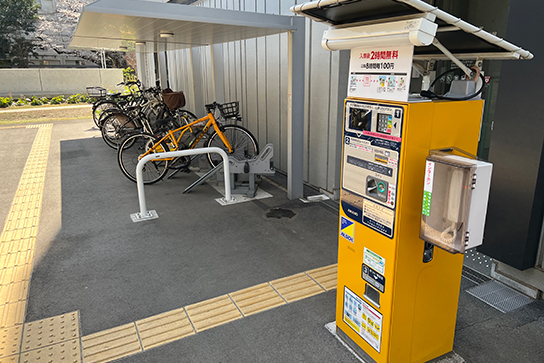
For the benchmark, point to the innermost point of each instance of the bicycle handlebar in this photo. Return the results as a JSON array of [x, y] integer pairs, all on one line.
[[211, 106], [130, 83]]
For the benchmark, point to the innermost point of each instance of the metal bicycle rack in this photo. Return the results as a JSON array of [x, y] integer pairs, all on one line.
[[145, 214], [258, 165]]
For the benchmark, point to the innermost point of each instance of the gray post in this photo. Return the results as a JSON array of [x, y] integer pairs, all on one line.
[[295, 119]]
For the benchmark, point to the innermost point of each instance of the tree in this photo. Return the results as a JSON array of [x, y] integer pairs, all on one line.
[[18, 20]]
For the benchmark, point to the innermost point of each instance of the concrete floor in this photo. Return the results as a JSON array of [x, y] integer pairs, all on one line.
[[90, 257]]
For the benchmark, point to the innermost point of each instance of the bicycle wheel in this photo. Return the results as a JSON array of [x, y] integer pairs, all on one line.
[[115, 128], [100, 107], [129, 153], [104, 114], [244, 145]]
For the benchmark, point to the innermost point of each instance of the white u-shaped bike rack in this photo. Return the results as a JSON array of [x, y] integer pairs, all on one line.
[[144, 214]]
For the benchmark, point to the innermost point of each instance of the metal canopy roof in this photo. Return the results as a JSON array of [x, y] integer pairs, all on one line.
[[115, 24], [459, 37]]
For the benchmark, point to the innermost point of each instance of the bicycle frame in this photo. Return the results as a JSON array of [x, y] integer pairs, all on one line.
[[170, 138]]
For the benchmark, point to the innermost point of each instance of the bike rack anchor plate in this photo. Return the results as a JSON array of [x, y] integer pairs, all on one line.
[[137, 217]]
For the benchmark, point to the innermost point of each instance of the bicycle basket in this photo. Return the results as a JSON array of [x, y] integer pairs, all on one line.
[[96, 91], [230, 109], [173, 100]]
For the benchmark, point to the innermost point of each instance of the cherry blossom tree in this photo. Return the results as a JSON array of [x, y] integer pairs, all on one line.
[[56, 29]]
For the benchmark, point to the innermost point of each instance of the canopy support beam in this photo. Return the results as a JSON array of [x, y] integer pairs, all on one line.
[[295, 120]]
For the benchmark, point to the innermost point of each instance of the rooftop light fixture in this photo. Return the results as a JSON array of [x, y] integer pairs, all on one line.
[[122, 47], [140, 43], [166, 34]]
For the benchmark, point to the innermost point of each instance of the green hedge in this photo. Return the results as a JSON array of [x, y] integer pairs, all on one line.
[[39, 101], [6, 102]]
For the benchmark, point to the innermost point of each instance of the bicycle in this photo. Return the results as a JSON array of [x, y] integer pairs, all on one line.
[[234, 139], [142, 117], [120, 124], [104, 101]]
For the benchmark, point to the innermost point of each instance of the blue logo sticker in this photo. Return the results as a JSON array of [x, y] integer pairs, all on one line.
[[347, 229]]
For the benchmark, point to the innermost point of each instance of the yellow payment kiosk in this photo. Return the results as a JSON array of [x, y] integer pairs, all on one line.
[[390, 303], [412, 195]]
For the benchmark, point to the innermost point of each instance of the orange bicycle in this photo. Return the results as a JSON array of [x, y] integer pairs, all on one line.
[[235, 140]]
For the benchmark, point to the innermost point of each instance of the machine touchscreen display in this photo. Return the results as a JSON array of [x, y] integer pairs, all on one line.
[[360, 119]]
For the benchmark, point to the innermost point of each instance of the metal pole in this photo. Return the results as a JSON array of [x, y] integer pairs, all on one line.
[[295, 115], [144, 213], [448, 54], [103, 58]]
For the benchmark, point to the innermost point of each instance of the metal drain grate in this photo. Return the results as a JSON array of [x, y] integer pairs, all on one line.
[[474, 276], [499, 296]]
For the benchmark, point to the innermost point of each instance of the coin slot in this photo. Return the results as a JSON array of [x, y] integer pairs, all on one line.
[[377, 188]]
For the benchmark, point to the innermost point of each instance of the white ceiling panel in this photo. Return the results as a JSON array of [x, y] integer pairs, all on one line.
[[109, 24]]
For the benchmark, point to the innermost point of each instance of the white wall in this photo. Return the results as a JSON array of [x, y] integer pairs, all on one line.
[[44, 81], [255, 73]]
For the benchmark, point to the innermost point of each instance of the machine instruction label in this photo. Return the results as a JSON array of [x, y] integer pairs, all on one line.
[[374, 261], [428, 188], [378, 218], [347, 229], [372, 277], [363, 318], [381, 73]]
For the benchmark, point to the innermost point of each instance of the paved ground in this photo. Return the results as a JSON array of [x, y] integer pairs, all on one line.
[[91, 258]]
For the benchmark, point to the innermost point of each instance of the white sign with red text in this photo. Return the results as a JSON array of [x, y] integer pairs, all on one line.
[[381, 73]]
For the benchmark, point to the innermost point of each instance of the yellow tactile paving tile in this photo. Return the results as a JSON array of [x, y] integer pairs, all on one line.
[[23, 243], [112, 344], [296, 287], [67, 352], [15, 274], [256, 299], [213, 312], [164, 328], [325, 276], [42, 333], [10, 341], [16, 259], [126, 340], [12, 359], [12, 314], [16, 291]]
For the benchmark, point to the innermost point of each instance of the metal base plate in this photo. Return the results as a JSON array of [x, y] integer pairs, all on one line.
[[137, 217], [363, 357], [240, 198], [350, 345]]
